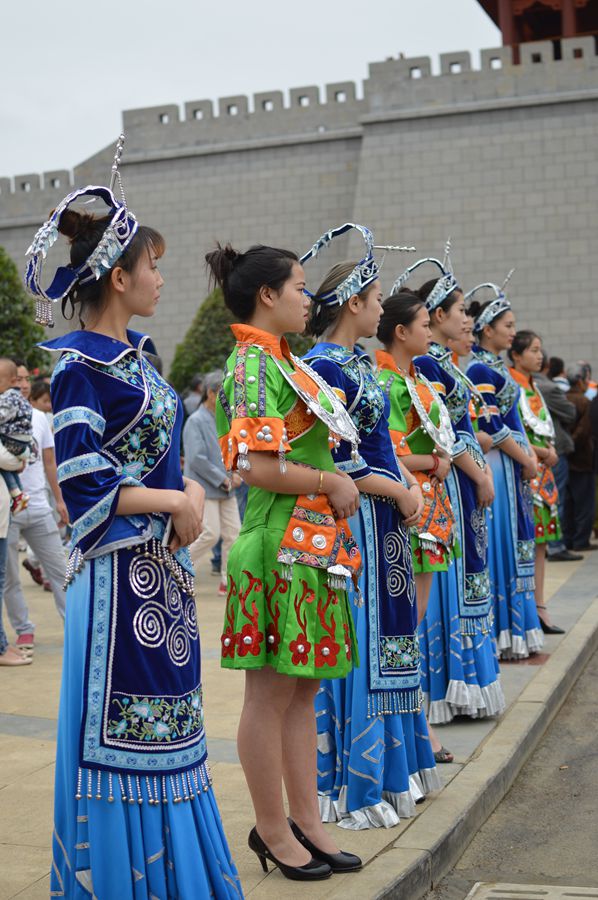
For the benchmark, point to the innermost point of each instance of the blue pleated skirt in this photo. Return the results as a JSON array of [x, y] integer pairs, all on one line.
[[371, 770], [127, 850], [460, 673], [517, 627]]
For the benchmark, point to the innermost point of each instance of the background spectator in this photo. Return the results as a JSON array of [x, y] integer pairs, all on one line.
[[579, 504], [36, 524], [193, 398], [203, 463], [563, 414], [556, 372]]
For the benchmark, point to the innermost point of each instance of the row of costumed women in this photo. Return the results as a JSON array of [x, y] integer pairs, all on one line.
[[385, 561], [445, 585]]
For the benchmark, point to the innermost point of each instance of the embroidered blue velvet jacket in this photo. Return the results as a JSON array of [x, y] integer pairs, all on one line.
[[117, 423]]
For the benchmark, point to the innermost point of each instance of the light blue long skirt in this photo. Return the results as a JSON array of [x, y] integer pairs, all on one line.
[[517, 627], [126, 850], [460, 673], [371, 771]]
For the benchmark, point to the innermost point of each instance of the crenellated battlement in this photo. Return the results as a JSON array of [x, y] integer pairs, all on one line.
[[395, 88]]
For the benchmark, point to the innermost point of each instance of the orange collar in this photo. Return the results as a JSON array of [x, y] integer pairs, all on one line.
[[522, 379], [247, 334], [385, 360]]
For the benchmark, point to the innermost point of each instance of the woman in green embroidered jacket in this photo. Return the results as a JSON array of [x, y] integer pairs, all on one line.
[[526, 355], [287, 619]]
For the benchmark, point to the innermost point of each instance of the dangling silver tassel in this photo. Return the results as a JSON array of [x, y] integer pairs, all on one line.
[[286, 561], [243, 459], [337, 577], [354, 453], [43, 312], [282, 460]]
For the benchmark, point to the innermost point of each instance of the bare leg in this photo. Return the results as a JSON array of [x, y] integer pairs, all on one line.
[[540, 574], [423, 583], [268, 696], [299, 764]]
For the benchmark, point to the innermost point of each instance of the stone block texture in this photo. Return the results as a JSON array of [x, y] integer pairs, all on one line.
[[501, 157]]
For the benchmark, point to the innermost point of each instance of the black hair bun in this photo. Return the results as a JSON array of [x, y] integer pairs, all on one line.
[[474, 308], [80, 226]]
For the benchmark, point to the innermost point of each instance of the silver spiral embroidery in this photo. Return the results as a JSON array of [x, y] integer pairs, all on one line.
[[145, 576], [179, 648], [169, 618], [396, 574], [173, 599], [149, 624], [392, 547], [191, 618]]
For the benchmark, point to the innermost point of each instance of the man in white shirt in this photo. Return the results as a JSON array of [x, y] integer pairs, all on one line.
[[36, 524]]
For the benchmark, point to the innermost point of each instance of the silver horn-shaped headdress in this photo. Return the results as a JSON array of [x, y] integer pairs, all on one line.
[[499, 305], [445, 284], [117, 236]]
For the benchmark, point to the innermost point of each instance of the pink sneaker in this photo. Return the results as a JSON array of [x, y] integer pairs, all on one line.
[[26, 641], [222, 592]]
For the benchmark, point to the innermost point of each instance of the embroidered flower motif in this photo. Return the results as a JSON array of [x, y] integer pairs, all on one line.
[[158, 408], [143, 710], [300, 648], [228, 641], [249, 640], [436, 557], [326, 652], [135, 439], [161, 719], [272, 638], [161, 729]]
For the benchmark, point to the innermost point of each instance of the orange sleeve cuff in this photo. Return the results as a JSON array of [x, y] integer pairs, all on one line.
[[253, 434]]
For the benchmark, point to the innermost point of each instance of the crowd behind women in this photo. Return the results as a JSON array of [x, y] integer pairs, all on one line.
[[391, 552]]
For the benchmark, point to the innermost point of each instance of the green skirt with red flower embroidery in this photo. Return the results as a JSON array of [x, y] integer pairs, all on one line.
[[302, 627], [547, 526]]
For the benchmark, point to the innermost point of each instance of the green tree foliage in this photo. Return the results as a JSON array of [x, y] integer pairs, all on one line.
[[19, 332], [209, 341]]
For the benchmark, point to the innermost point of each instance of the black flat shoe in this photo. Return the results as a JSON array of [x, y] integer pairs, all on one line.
[[338, 862], [549, 629], [314, 870]]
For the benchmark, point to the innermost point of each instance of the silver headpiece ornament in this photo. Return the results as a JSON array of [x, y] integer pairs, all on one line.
[[365, 272], [494, 309], [114, 241], [445, 285]]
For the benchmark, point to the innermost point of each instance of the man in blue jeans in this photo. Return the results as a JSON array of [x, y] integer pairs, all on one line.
[[563, 414]]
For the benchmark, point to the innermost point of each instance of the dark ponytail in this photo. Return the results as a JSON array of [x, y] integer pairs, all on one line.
[[241, 275], [85, 232], [521, 342], [399, 309]]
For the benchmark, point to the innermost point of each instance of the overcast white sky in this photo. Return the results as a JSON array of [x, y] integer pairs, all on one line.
[[69, 67]]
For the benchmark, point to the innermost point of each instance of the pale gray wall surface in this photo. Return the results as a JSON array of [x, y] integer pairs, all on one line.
[[503, 160]]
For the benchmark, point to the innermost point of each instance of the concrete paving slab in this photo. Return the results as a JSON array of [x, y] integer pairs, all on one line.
[[21, 867]]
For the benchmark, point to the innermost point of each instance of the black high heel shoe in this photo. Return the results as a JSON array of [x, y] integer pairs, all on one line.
[[549, 629], [314, 870], [338, 862]]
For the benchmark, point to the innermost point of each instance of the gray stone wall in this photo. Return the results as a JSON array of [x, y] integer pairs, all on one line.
[[502, 158]]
